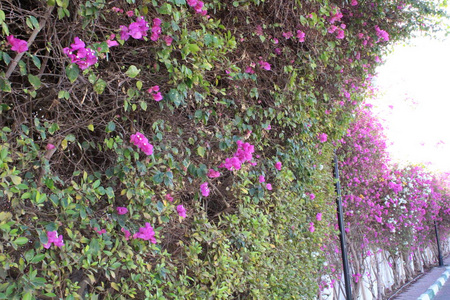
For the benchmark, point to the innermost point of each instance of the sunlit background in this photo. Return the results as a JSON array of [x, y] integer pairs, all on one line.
[[413, 100]]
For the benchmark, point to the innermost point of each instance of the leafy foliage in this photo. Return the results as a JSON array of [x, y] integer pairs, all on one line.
[[194, 79]]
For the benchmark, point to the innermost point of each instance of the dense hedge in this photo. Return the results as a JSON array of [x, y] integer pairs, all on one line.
[[117, 115]]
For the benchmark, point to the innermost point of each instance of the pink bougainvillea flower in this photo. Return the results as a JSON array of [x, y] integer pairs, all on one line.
[[110, 41], [168, 39], [312, 196], [269, 186], [265, 65], [141, 141], [340, 34], [80, 55], [18, 45], [116, 9], [268, 127], [204, 189], [354, 2], [311, 227], [287, 35], [262, 178], [213, 173], [126, 233], [249, 70], [121, 210], [169, 197], [323, 137], [100, 231], [181, 211], [130, 13], [319, 216], [53, 237], [278, 165], [157, 96], [300, 36], [146, 233], [50, 147]]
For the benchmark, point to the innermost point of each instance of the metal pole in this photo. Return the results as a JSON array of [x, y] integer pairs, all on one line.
[[441, 262], [348, 287]]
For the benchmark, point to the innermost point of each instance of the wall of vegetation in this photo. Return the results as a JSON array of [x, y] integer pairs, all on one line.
[[179, 149]]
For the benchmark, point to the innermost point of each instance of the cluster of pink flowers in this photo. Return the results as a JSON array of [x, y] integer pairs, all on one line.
[[278, 165], [80, 55], [301, 36], [213, 173], [141, 141], [336, 15], [382, 34], [155, 93], [53, 238], [264, 64], [197, 5], [17, 45], [156, 29], [323, 137], [121, 210], [243, 154], [137, 30], [204, 189], [102, 231], [169, 197], [146, 233], [181, 211]]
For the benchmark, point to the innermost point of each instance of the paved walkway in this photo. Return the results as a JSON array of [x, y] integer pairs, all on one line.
[[421, 285]]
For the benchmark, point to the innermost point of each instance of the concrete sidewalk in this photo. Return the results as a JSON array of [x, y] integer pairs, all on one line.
[[422, 284]]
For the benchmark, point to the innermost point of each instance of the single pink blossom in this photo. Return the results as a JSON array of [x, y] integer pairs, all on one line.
[[50, 147], [213, 173], [126, 232], [130, 13], [354, 2], [287, 35], [18, 45], [168, 39], [265, 65], [204, 189], [146, 233], [53, 237], [157, 96], [312, 196], [300, 36], [181, 211], [319, 216], [116, 9], [278, 165], [311, 227], [262, 178], [169, 197], [269, 186], [323, 137], [121, 210], [268, 127]]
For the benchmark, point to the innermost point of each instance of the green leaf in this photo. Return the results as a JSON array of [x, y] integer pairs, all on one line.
[[201, 151], [39, 257], [5, 85], [194, 48], [165, 9], [2, 16], [36, 61], [110, 127], [91, 127], [34, 80], [32, 22], [132, 71], [21, 241], [100, 86], [72, 72], [16, 179], [143, 105], [27, 296]]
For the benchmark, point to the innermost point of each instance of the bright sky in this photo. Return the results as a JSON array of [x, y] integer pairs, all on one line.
[[414, 101]]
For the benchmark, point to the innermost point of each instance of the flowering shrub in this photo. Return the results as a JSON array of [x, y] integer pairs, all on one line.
[[256, 89]]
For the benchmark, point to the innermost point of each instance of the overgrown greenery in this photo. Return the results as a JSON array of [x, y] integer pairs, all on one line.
[[225, 77]]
